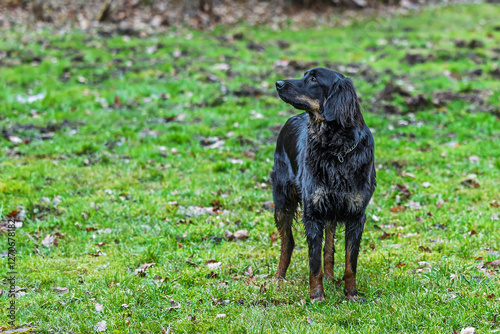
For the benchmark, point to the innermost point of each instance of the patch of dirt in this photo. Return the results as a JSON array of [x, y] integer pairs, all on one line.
[[247, 90], [474, 96], [416, 102], [472, 44], [387, 94], [495, 73], [415, 58], [25, 133], [291, 68]]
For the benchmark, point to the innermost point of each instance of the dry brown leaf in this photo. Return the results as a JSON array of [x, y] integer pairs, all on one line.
[[399, 208], [385, 235], [273, 237], [493, 264]]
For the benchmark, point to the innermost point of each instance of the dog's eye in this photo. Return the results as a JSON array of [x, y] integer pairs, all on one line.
[[313, 79]]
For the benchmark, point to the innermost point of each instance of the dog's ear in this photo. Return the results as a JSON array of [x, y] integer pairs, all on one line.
[[342, 103]]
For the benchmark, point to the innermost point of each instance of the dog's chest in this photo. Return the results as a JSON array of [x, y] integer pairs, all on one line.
[[325, 198]]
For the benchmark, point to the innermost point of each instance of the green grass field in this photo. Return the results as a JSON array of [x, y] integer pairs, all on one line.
[[132, 137]]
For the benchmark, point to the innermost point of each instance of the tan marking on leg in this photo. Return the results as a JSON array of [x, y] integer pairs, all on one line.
[[328, 253], [287, 243], [349, 277], [316, 284]]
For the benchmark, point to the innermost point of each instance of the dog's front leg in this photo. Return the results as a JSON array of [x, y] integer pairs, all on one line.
[[353, 232], [314, 234]]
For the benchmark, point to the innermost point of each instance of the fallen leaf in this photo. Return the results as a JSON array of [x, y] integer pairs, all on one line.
[[309, 320], [60, 290], [468, 330], [470, 181], [474, 159], [241, 234], [425, 249], [49, 241], [398, 208], [385, 235], [403, 190], [439, 204], [13, 214], [493, 264], [414, 205], [229, 235], [173, 305], [249, 271], [98, 307], [101, 326], [140, 272], [146, 266], [30, 99], [212, 264]]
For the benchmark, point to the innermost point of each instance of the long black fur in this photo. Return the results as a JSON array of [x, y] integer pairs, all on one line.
[[307, 167]]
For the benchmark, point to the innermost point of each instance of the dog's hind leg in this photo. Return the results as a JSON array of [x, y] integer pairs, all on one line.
[[284, 220], [329, 250], [353, 232]]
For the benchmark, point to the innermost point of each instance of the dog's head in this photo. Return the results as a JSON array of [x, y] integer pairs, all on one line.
[[326, 94]]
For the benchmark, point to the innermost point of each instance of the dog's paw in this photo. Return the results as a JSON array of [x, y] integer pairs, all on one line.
[[317, 299], [317, 296], [354, 297]]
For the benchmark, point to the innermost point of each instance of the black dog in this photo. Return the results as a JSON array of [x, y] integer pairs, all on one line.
[[324, 159]]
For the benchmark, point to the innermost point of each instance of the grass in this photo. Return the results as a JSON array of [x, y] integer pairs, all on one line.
[[126, 118]]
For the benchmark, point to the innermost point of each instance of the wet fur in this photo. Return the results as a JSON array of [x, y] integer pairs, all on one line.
[[307, 172]]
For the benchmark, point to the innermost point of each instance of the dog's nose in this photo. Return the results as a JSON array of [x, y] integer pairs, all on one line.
[[280, 84]]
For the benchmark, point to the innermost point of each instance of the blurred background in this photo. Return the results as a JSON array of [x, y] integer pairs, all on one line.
[[137, 15]]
